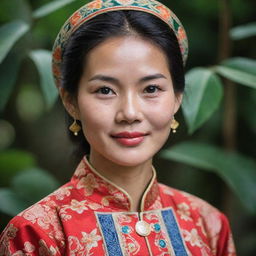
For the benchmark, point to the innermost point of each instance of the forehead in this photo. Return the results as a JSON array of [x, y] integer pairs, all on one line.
[[126, 55]]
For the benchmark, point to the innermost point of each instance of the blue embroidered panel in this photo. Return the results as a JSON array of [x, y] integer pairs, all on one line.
[[110, 235], [174, 233]]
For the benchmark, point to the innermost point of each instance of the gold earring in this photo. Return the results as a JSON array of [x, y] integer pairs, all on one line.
[[75, 128], [174, 125]]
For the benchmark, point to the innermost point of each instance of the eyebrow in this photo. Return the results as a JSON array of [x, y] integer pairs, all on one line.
[[105, 79], [152, 77], [116, 81]]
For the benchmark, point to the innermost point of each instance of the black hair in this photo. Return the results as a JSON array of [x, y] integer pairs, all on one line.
[[115, 24]]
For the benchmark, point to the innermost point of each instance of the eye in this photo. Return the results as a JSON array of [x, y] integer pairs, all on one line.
[[105, 90], [152, 89]]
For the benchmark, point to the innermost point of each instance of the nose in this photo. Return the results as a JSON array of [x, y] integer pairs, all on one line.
[[129, 109]]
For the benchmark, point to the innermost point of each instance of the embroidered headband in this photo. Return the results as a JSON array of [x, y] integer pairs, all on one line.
[[96, 7]]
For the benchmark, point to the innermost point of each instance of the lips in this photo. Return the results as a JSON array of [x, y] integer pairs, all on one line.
[[128, 135], [129, 138]]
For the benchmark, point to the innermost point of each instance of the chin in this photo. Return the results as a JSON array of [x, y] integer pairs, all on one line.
[[130, 159]]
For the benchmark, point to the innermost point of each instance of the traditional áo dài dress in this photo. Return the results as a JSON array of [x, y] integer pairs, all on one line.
[[91, 216]]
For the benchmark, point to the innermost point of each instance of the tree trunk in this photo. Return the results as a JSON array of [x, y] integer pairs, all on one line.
[[225, 49]]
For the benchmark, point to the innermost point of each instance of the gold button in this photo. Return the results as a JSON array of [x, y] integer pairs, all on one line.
[[142, 228]]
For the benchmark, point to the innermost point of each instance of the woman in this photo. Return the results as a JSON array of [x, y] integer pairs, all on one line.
[[118, 65]]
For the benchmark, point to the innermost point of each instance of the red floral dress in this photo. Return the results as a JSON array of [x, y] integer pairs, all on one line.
[[91, 216]]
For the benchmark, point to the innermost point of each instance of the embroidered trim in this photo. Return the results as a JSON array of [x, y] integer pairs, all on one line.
[[174, 232], [155, 217], [111, 231], [110, 235]]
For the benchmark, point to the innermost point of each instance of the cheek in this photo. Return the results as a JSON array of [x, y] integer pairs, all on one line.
[[93, 116], [160, 115]]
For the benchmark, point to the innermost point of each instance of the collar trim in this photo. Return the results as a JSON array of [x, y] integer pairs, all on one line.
[[103, 191]]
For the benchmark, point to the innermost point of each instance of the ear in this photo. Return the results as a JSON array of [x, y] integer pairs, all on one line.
[[69, 103], [178, 100]]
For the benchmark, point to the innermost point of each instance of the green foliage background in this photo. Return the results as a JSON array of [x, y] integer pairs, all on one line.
[[212, 155]]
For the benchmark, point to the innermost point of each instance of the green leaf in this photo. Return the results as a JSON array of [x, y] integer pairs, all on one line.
[[239, 70], [34, 184], [15, 10], [7, 134], [42, 60], [238, 171], [50, 7], [240, 63], [12, 162], [11, 203], [8, 75], [10, 34], [203, 93], [244, 31]]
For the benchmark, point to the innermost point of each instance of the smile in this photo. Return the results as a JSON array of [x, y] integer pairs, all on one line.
[[129, 139]]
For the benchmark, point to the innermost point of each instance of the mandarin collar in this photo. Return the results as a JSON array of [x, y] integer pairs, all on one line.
[[99, 189]]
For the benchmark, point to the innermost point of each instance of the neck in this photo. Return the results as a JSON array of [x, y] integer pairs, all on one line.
[[133, 179]]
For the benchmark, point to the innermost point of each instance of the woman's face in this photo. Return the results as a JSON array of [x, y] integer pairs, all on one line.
[[126, 100]]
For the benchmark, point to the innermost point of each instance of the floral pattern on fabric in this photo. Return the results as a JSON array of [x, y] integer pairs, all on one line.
[[89, 183], [90, 216], [127, 231], [184, 211], [10, 233], [209, 222], [159, 236], [152, 200], [97, 7], [44, 215], [84, 245]]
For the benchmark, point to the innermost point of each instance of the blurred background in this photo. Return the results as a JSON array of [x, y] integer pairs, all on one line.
[[213, 153]]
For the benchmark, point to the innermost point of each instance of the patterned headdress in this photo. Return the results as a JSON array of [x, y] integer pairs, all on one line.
[[96, 7]]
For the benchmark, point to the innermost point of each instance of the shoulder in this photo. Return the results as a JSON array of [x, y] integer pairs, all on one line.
[[49, 206], [198, 208], [21, 237], [40, 224], [207, 218], [195, 203]]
